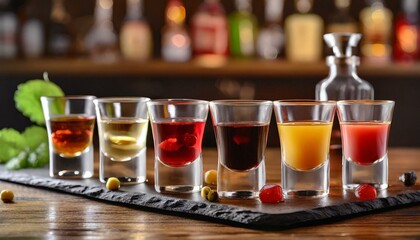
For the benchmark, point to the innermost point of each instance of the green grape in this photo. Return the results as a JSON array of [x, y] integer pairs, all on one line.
[[27, 98], [11, 144]]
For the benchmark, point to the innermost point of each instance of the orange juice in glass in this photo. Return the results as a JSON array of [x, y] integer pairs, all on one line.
[[305, 131]]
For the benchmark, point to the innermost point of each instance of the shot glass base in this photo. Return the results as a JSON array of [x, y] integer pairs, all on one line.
[[128, 172], [310, 183], [306, 193], [73, 167], [73, 174], [240, 184], [177, 189], [186, 179], [375, 174]]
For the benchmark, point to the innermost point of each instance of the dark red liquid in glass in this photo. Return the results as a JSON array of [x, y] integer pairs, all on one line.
[[178, 143], [241, 145]]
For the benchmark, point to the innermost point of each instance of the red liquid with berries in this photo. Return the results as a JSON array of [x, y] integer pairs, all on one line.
[[241, 146], [71, 135], [365, 142], [178, 144]]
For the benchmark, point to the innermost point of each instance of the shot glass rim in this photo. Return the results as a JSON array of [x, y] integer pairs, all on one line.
[[70, 97], [121, 99], [241, 102], [364, 102], [176, 101], [303, 102]]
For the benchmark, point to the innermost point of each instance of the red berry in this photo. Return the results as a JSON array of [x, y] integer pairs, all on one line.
[[189, 140], [365, 192], [271, 193], [170, 145]]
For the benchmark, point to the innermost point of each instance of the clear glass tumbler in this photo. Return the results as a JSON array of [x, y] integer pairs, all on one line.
[[365, 128], [178, 128], [241, 130], [70, 123], [122, 129], [305, 132]]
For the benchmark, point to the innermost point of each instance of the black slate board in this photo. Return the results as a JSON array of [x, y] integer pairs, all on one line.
[[229, 214]]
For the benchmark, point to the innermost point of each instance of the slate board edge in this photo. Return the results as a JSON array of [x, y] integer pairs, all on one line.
[[219, 212]]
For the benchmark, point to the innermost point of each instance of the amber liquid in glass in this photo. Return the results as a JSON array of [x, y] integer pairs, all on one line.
[[71, 135]]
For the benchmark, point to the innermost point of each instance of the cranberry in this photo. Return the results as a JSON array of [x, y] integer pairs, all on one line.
[[271, 193], [365, 192]]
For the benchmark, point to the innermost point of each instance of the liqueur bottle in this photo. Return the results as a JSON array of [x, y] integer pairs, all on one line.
[[59, 40], [32, 33], [8, 31], [271, 37], [242, 30], [407, 33], [210, 32], [304, 34], [341, 21], [101, 41], [376, 28], [176, 43], [136, 40], [343, 83]]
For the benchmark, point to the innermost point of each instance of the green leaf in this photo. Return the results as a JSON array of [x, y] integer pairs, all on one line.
[[34, 136], [39, 157], [27, 98], [11, 144], [18, 162]]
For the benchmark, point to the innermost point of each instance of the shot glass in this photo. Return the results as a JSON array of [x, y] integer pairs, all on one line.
[[305, 132], [122, 129], [365, 128], [241, 130], [178, 128], [70, 123]]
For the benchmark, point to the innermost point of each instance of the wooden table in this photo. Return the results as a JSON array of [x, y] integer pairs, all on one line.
[[45, 214]]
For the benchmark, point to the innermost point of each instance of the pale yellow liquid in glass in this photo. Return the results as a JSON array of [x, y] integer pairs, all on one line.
[[123, 139], [305, 145]]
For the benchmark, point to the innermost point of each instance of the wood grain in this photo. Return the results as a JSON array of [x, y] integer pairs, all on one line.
[[45, 214], [231, 68]]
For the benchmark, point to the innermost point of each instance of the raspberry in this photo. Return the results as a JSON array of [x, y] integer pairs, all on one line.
[[189, 140], [271, 193], [365, 192], [408, 178]]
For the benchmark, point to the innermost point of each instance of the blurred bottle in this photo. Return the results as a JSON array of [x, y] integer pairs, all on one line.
[[136, 39], [210, 32], [176, 43], [407, 33], [341, 21], [101, 41], [32, 35], [242, 30], [59, 39], [376, 22], [8, 31], [343, 82], [271, 37], [304, 34]]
